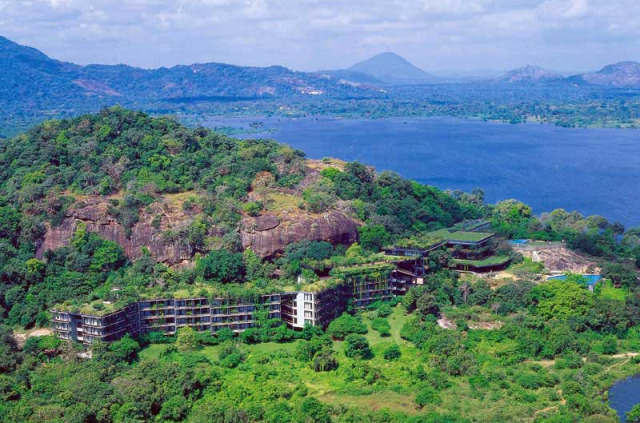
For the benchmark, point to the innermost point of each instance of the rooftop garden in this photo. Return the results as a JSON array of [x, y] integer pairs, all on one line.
[[470, 225], [339, 261], [419, 242], [489, 261], [315, 285], [246, 290], [96, 308], [461, 236]]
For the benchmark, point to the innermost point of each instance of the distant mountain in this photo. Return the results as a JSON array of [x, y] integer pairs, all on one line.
[[530, 74], [34, 86], [622, 75], [392, 69]]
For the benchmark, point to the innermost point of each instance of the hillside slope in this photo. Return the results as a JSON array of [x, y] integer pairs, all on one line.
[[158, 188]]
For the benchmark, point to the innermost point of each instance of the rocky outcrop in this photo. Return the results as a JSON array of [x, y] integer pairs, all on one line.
[[557, 258], [95, 216], [267, 235], [269, 240]]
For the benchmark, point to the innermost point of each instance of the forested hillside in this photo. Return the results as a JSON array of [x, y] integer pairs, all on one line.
[[458, 348], [195, 190]]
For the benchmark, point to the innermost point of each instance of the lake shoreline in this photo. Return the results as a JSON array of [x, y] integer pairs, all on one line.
[[545, 166]]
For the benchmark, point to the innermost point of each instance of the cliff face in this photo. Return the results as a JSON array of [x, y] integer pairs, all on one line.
[[95, 215], [267, 235]]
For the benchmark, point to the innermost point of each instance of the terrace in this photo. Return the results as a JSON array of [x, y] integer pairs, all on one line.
[[487, 264], [456, 237]]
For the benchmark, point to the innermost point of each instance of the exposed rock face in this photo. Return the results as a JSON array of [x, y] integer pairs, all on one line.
[[267, 241], [558, 259], [267, 235], [170, 250]]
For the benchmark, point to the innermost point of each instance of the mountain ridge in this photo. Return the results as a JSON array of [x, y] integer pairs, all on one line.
[[625, 74], [530, 74], [34, 84]]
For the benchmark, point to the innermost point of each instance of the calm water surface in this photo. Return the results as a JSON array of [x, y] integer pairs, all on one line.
[[594, 171], [624, 395]]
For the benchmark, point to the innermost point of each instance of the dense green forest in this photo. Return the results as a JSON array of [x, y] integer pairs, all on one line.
[[544, 352]]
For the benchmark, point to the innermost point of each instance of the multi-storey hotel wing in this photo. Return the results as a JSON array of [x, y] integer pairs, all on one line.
[[314, 303]]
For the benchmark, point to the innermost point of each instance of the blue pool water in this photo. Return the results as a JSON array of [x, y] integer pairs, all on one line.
[[519, 241], [590, 279]]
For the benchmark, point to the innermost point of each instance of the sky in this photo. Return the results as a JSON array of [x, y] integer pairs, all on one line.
[[461, 35]]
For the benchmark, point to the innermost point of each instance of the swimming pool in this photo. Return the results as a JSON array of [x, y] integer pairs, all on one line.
[[591, 280], [519, 241]]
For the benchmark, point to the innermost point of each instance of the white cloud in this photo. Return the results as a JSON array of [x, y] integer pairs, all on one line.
[[316, 34]]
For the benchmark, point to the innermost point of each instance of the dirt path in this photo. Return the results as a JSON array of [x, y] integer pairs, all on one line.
[[553, 407], [628, 357], [22, 337]]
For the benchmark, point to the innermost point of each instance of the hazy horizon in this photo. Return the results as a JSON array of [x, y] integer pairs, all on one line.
[[452, 36]]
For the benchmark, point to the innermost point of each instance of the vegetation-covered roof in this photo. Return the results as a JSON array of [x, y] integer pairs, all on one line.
[[460, 236], [489, 261], [95, 308]]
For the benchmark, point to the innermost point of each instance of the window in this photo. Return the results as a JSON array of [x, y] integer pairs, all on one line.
[[308, 297], [308, 306], [308, 314]]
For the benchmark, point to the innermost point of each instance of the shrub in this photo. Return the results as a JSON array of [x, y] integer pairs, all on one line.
[[251, 336], [346, 325], [206, 338], [392, 352], [225, 334], [306, 350], [252, 208], [311, 410], [356, 346], [186, 339], [462, 325], [382, 326], [324, 361], [159, 337], [610, 345], [231, 355], [382, 308], [427, 395]]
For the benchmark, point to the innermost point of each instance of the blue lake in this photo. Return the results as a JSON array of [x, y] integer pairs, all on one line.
[[624, 395], [594, 171]]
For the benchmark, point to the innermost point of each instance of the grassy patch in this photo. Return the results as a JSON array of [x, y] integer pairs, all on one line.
[[607, 291], [462, 236], [396, 320], [279, 202], [528, 266], [489, 261]]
